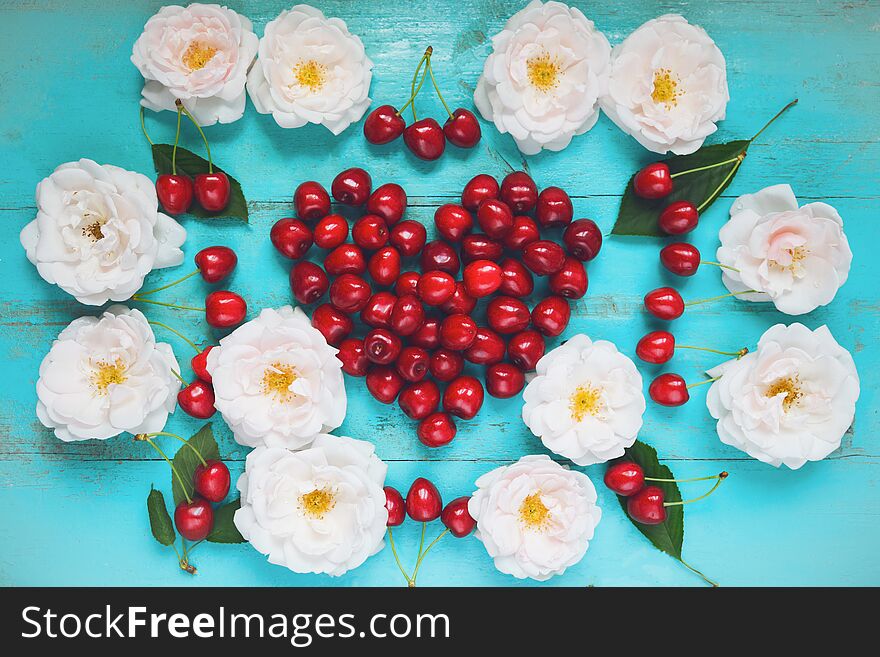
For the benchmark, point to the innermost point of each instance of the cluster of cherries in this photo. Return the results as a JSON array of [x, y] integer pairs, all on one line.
[[424, 137], [421, 327], [655, 182]]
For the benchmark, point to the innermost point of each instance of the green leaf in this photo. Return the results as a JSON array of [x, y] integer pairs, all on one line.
[[638, 216], [186, 461], [160, 521], [191, 164], [224, 530], [668, 536]]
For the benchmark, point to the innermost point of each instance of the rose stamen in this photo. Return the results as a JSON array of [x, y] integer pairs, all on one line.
[[586, 400], [788, 386], [93, 231], [277, 379], [310, 74], [198, 55], [544, 71], [798, 254], [317, 503], [665, 89], [533, 513], [106, 374]]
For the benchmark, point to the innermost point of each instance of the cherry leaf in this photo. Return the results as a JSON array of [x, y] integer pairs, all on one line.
[[224, 530], [160, 521], [186, 461]]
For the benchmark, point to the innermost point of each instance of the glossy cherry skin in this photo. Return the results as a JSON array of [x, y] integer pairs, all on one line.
[[407, 283], [457, 332], [436, 430], [377, 312], [381, 346], [554, 207], [407, 315], [680, 258], [423, 501], [211, 480], [428, 334], [516, 280], [481, 278], [646, 506], [383, 125], [487, 348], [462, 129], [669, 390], [354, 358], [311, 201], [308, 282], [425, 139], [550, 316], [446, 364], [352, 186], [345, 259], [653, 181], [453, 222], [664, 303], [543, 257], [291, 237], [457, 519], [656, 347], [463, 397], [495, 218], [436, 287], [460, 302], [332, 323], [408, 237], [508, 315], [478, 189], [197, 399], [519, 191], [412, 363], [175, 193], [194, 520], [419, 400], [331, 231], [384, 265], [524, 231], [224, 309], [216, 263], [525, 349], [625, 478], [389, 202], [395, 506], [439, 255], [350, 293], [370, 232], [678, 218], [199, 364], [212, 190], [481, 247], [583, 239], [504, 380], [570, 281], [384, 383]]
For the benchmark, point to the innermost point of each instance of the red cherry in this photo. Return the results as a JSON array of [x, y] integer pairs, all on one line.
[[350, 293], [407, 283], [446, 365], [381, 346], [353, 357], [384, 383], [460, 302], [352, 186], [407, 315], [550, 316], [457, 519], [570, 281], [653, 181], [194, 520], [345, 259], [213, 191], [311, 201], [389, 202], [478, 189], [175, 193], [383, 125], [211, 480], [646, 506], [554, 207], [495, 218], [525, 349], [583, 239], [333, 324], [457, 332], [508, 315], [436, 287], [504, 380], [524, 231], [408, 237], [199, 364], [462, 129], [481, 278], [423, 501], [395, 506], [197, 399], [384, 265], [377, 312], [678, 218], [412, 363], [680, 258], [428, 334], [331, 231], [453, 222], [419, 400], [308, 282], [487, 348], [224, 309], [480, 247], [669, 390], [516, 280], [519, 191], [664, 303], [463, 397], [436, 430], [543, 257], [439, 255], [370, 232], [291, 237], [216, 263], [425, 139], [656, 347], [625, 478]]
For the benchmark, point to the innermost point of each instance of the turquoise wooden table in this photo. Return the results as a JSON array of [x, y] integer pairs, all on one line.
[[74, 513]]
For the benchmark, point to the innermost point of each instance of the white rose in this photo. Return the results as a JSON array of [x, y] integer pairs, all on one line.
[[790, 401], [535, 517], [668, 85], [795, 257], [98, 232], [311, 69], [276, 381], [318, 510], [586, 402], [200, 54], [544, 78], [106, 375]]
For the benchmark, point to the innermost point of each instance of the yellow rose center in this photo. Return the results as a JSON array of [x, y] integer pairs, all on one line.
[[277, 379], [317, 503], [310, 74], [790, 387], [532, 512], [666, 89], [798, 255], [585, 400], [93, 231], [107, 373], [198, 55], [544, 71]]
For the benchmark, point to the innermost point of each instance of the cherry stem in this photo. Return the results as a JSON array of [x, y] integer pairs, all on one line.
[[144, 126], [721, 475], [706, 168], [778, 114], [165, 287], [183, 440], [180, 107], [701, 497], [167, 305], [423, 554], [437, 89], [721, 296], [177, 374], [415, 91], [739, 354], [702, 383], [697, 572], [723, 183], [718, 264], [177, 333], [176, 140], [174, 471], [397, 559]]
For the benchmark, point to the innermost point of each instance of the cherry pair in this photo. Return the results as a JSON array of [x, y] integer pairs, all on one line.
[[194, 518]]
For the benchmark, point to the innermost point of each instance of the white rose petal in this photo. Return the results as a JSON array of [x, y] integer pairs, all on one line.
[[788, 402], [277, 382], [586, 402], [535, 517], [318, 510], [668, 85]]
